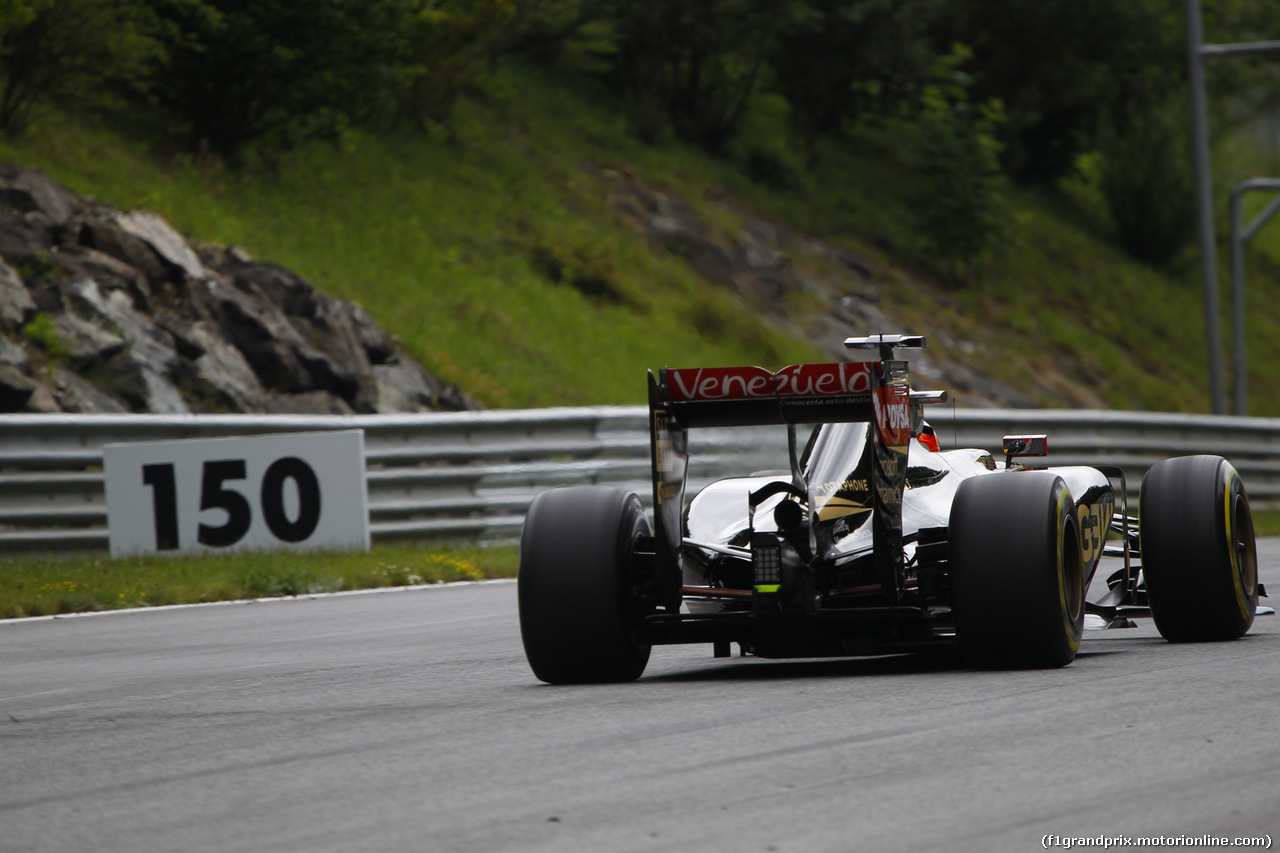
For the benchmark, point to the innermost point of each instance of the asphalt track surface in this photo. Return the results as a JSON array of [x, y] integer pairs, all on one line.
[[409, 721]]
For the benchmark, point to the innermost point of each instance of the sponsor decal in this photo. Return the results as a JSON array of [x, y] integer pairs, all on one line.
[[893, 415], [832, 487], [1093, 521], [710, 384]]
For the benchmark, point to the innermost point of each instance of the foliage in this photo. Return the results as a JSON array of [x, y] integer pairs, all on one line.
[[1061, 66], [54, 51], [961, 214], [42, 332], [1252, 81], [277, 71], [545, 28], [845, 59], [272, 73], [436, 238], [695, 67], [269, 74], [446, 44], [770, 168], [1148, 184]]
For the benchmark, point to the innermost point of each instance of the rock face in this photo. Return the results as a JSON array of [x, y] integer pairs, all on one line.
[[110, 311], [804, 285]]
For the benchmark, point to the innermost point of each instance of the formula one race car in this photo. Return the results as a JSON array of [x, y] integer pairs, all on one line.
[[875, 542]]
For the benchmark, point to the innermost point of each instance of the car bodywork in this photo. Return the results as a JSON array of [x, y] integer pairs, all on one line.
[[873, 541], [859, 524]]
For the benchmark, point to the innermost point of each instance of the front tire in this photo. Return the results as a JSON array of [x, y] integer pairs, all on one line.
[[1199, 557], [1017, 575], [578, 614]]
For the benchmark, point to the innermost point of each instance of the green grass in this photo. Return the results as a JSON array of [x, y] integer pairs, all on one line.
[[44, 586], [52, 585], [1266, 522], [448, 240], [440, 239]]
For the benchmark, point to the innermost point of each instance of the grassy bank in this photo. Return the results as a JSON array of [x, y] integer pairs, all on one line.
[[46, 586], [447, 240]]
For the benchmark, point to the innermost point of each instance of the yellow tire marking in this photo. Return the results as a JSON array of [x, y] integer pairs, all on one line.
[[1072, 640], [1242, 600]]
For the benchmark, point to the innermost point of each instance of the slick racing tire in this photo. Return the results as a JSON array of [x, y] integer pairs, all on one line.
[[1017, 575], [1199, 558], [578, 618]]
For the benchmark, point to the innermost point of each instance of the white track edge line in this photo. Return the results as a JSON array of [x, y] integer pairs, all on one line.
[[265, 600]]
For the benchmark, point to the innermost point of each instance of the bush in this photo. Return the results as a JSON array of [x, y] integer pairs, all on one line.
[[771, 169], [70, 50], [1147, 183], [42, 332], [244, 72], [694, 67], [961, 211]]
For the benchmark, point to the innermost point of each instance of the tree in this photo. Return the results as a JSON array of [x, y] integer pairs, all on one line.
[[694, 67], [1062, 67], [446, 44], [1148, 184], [961, 210], [55, 51], [276, 72], [542, 27], [845, 58]]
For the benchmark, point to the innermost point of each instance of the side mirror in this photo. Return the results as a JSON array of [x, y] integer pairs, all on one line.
[[1025, 445]]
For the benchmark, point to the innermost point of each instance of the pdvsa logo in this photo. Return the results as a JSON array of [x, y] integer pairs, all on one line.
[[893, 415]]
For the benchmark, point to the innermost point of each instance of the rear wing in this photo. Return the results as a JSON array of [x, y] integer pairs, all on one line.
[[748, 396], [876, 392]]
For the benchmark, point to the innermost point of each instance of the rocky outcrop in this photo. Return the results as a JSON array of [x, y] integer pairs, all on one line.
[[806, 286], [103, 310]]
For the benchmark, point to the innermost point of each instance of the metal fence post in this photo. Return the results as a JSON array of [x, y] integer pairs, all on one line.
[[1204, 207], [1196, 51], [1240, 235]]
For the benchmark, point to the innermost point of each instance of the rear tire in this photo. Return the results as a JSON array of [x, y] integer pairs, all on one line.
[[1017, 575], [1199, 557], [578, 615]]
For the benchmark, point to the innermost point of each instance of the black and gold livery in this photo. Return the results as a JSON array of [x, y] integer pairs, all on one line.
[[872, 540]]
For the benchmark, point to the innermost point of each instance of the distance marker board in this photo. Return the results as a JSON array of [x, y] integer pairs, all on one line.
[[301, 491]]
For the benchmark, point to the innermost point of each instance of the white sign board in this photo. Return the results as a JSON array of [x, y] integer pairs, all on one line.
[[302, 491]]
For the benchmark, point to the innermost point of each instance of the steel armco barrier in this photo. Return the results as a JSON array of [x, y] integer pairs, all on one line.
[[472, 475]]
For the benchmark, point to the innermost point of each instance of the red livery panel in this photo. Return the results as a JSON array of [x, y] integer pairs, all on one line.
[[893, 415]]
